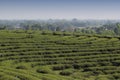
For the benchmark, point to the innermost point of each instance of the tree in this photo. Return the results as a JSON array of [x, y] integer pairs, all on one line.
[[58, 29], [117, 29], [108, 32]]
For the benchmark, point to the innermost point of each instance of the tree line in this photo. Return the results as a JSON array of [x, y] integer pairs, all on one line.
[[103, 27]]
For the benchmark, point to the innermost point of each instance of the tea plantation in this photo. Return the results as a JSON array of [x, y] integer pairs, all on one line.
[[42, 55]]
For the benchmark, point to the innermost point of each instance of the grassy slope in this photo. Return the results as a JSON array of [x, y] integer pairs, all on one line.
[[35, 55]]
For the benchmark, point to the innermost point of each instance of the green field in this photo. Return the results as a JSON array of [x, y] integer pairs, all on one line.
[[42, 55]]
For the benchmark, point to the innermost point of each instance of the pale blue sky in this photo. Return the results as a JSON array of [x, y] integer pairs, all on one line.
[[59, 9]]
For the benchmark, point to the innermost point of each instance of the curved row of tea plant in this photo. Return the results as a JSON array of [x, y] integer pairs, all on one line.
[[41, 55]]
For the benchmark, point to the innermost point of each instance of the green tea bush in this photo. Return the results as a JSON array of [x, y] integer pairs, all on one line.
[[66, 72], [21, 67], [44, 70]]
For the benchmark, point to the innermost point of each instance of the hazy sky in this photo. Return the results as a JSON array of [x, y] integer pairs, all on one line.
[[59, 9]]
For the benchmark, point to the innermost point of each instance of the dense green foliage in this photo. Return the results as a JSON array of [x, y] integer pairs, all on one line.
[[43, 55], [102, 27]]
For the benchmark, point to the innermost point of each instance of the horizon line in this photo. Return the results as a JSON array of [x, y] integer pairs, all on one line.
[[62, 19]]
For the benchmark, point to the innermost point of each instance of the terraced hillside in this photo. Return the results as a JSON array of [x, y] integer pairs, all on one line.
[[35, 55]]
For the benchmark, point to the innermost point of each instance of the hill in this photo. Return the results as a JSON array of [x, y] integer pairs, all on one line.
[[42, 55]]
